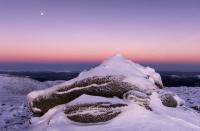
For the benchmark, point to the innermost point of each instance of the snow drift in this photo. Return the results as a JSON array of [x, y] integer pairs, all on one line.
[[116, 95]]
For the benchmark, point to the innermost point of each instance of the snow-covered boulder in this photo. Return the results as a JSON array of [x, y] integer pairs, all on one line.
[[116, 95], [107, 86], [114, 77]]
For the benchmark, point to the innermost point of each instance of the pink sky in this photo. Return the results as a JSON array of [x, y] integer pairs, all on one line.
[[96, 47]]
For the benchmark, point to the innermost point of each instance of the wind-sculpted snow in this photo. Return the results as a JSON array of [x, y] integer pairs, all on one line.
[[116, 95]]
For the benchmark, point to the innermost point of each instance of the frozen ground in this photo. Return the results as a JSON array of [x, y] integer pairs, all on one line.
[[14, 114]]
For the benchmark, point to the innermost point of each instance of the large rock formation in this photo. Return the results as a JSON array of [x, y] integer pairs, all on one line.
[[108, 86], [105, 80], [115, 86]]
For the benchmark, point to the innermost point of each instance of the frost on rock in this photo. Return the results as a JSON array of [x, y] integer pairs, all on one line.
[[108, 86], [114, 77], [94, 112], [116, 95]]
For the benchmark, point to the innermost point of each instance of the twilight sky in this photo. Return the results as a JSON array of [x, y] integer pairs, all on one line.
[[147, 31]]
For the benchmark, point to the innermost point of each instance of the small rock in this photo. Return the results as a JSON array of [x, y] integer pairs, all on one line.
[[169, 100]]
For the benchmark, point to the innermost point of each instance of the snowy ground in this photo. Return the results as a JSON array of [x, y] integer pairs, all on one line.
[[134, 117], [189, 94], [14, 114], [13, 90]]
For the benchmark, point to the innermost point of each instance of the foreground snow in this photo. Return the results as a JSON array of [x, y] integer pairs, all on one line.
[[14, 114], [133, 117]]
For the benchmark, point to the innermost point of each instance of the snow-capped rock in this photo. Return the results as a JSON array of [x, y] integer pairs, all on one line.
[[114, 77], [116, 95]]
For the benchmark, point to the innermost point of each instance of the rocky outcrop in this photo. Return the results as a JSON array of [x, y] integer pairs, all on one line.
[[108, 86], [115, 77]]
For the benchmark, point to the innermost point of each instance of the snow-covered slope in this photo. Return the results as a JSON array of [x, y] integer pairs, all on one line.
[[14, 114], [17, 86], [118, 95]]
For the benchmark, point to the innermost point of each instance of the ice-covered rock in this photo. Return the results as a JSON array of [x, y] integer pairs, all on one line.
[[116, 95], [114, 77], [107, 86]]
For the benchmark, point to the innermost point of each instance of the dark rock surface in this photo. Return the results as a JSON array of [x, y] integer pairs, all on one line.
[[94, 112], [106, 86]]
